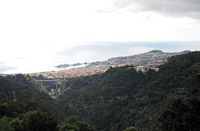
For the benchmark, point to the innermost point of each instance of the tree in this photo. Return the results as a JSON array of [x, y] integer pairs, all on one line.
[[181, 115], [130, 128], [71, 124], [34, 121], [4, 124]]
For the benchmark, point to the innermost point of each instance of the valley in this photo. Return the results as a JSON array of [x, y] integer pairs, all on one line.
[[127, 96]]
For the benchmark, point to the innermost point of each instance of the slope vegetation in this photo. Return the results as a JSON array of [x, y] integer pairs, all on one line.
[[123, 97]]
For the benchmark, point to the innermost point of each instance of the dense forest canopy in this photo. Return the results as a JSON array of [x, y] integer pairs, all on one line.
[[24, 107], [123, 97]]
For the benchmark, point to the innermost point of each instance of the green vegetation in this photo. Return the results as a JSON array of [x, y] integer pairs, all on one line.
[[30, 121], [23, 107], [180, 115], [130, 128], [122, 97], [71, 124]]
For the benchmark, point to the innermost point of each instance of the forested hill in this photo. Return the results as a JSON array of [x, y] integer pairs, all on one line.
[[122, 97], [25, 92], [24, 107]]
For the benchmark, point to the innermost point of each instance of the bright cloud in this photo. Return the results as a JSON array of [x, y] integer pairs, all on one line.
[[37, 31]]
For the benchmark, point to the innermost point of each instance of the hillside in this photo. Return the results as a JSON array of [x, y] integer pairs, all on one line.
[[24, 107], [123, 97], [154, 57]]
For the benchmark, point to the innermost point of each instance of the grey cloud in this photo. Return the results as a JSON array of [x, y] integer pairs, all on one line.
[[103, 11], [187, 8]]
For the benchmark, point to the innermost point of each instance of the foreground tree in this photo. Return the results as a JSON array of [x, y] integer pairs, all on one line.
[[181, 115], [71, 124], [34, 121], [130, 128]]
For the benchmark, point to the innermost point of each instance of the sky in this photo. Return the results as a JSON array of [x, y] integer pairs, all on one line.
[[38, 35]]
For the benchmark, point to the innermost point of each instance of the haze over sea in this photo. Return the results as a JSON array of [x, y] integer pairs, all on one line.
[[45, 59]]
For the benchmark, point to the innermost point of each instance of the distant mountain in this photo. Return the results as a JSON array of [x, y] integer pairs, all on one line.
[[76, 65], [154, 57], [144, 61]]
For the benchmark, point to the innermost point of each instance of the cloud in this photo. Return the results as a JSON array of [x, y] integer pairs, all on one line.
[[182, 8], [4, 68]]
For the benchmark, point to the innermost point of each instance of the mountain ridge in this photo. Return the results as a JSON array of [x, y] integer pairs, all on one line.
[[116, 60]]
